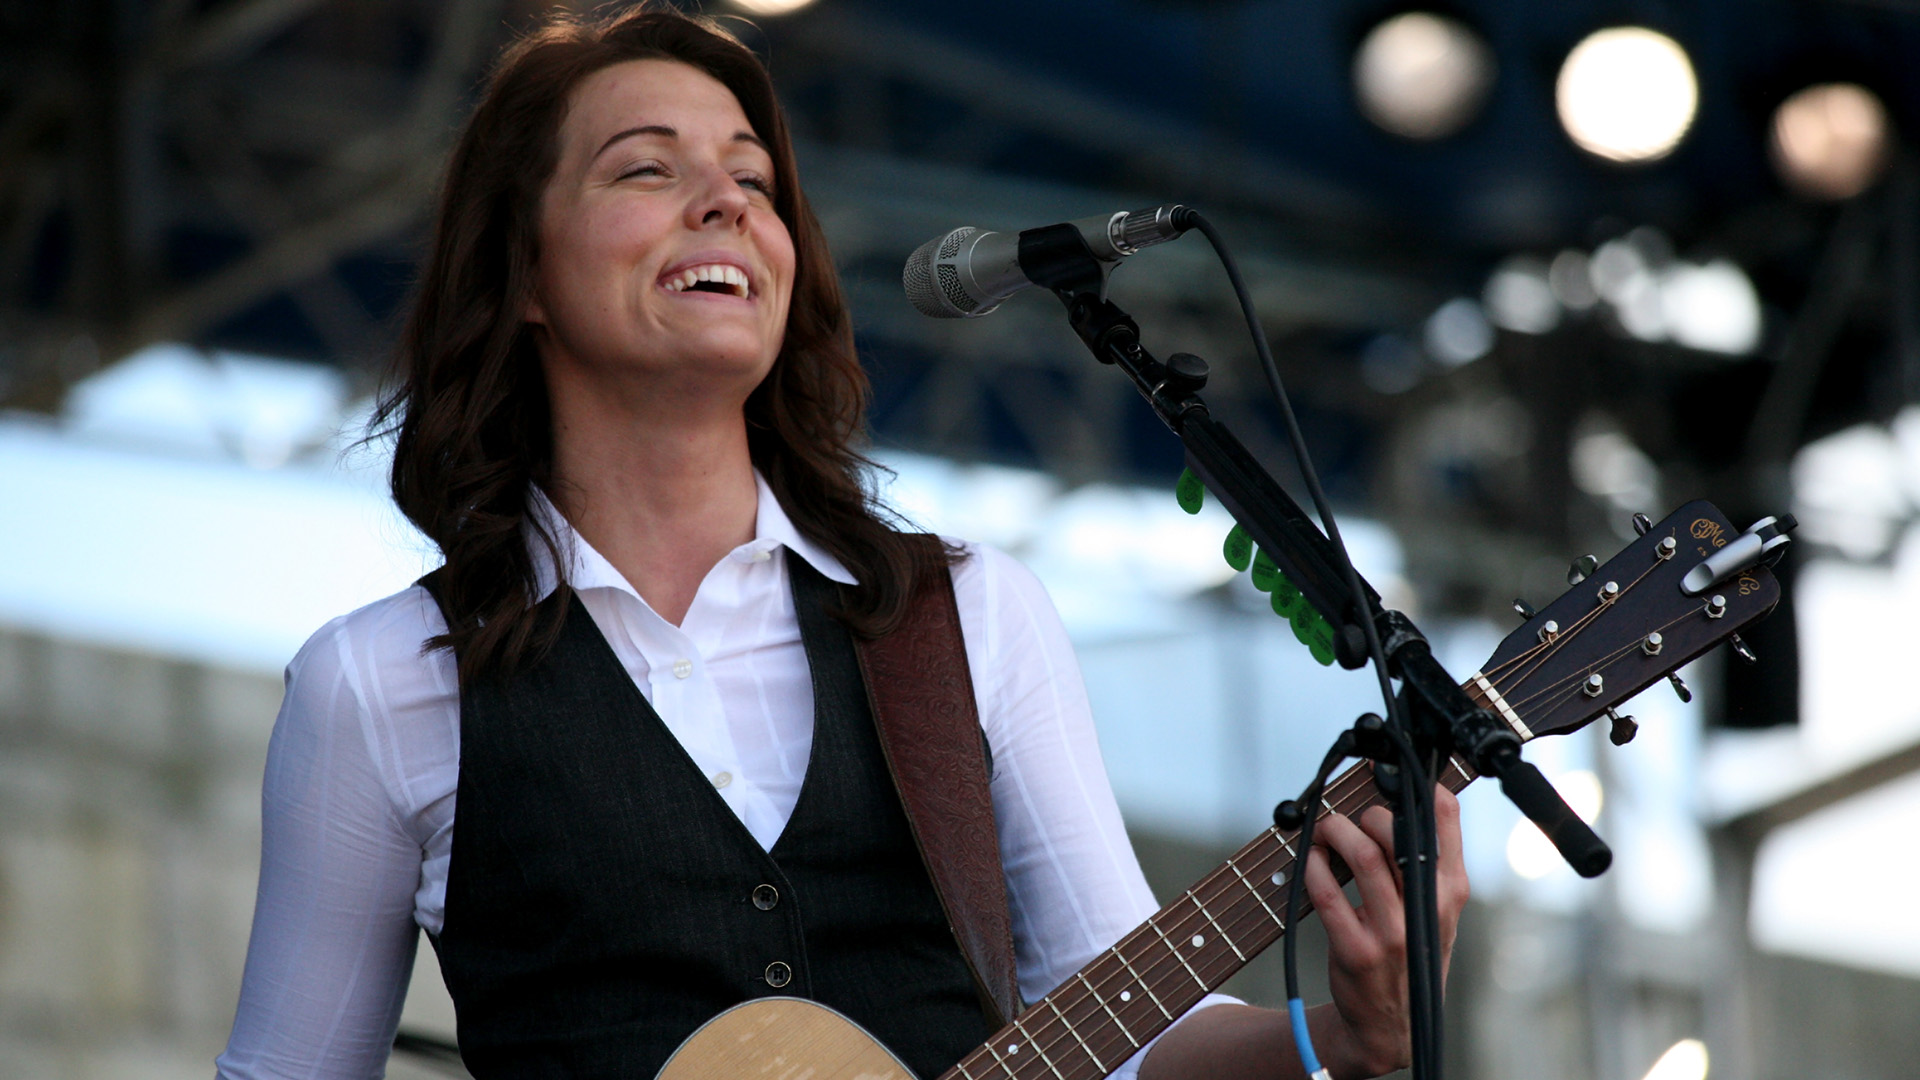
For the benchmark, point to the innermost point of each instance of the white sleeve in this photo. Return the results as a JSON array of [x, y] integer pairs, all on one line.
[[333, 929], [1073, 882]]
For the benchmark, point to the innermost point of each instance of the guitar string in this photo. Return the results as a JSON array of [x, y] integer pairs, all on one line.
[[1239, 914], [1262, 920], [1606, 660], [1567, 636], [1351, 786], [1572, 631], [1210, 890], [1576, 631]]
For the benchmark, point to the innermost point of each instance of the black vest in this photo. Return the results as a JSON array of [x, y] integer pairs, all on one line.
[[603, 901]]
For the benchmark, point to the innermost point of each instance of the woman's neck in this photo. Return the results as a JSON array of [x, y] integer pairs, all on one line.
[[663, 499]]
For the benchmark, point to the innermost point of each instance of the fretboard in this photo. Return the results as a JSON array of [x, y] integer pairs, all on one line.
[[1100, 1016]]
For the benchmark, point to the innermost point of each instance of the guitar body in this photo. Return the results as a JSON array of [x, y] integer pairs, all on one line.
[[782, 1038]]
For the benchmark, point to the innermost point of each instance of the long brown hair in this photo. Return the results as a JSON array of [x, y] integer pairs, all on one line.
[[469, 403]]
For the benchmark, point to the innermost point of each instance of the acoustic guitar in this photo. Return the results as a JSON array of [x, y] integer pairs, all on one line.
[[1624, 627]]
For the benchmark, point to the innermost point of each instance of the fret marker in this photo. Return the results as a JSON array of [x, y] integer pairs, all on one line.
[[1126, 995], [1013, 1048], [1199, 940], [1279, 877]]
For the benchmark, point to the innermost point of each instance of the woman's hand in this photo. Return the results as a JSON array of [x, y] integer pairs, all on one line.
[[1364, 1031]]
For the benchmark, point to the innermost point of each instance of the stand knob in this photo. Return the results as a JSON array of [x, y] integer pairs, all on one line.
[[1186, 373]]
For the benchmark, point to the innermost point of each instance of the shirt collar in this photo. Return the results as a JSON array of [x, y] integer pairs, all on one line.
[[588, 569]]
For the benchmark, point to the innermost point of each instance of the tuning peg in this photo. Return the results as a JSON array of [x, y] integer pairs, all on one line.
[[1623, 730], [1680, 686], [1523, 609], [1582, 569], [1642, 524], [1740, 647]]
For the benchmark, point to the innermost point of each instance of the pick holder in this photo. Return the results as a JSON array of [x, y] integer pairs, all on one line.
[[1309, 573]]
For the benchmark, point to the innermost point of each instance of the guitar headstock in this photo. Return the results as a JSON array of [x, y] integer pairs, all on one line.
[[1624, 627]]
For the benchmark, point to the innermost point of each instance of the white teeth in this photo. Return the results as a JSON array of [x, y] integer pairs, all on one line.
[[728, 275]]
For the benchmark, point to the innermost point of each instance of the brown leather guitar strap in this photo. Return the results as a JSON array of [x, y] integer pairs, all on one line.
[[921, 692]]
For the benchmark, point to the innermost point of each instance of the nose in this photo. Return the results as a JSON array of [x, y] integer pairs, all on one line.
[[717, 200]]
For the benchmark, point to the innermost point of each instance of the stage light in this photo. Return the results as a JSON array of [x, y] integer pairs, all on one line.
[[1627, 94], [1830, 141], [1684, 1060], [1422, 76], [1711, 307], [1457, 332], [772, 7], [1518, 297]]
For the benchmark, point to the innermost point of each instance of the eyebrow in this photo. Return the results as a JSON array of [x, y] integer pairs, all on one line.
[[664, 131]]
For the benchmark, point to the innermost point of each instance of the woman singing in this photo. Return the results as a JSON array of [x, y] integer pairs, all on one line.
[[616, 757]]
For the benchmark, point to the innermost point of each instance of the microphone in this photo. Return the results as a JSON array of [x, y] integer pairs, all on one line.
[[966, 273]]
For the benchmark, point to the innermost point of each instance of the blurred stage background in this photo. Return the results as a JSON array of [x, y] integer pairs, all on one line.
[[1522, 284]]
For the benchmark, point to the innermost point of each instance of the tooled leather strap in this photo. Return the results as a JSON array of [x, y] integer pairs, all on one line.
[[921, 692]]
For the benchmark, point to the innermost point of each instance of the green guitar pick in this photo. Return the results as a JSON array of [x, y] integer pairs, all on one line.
[[1238, 549], [1191, 493], [1266, 574], [1286, 599]]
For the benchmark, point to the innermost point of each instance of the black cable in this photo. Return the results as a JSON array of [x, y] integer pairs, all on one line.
[[1290, 962], [1425, 973]]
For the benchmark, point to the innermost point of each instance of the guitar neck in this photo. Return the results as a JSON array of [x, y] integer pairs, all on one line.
[[1132, 992]]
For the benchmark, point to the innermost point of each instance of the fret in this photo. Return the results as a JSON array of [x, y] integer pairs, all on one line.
[[1002, 1062], [1037, 1049], [1076, 1035], [1277, 920], [1176, 955], [1217, 928], [962, 1066], [1103, 1004], [1282, 841], [1143, 983]]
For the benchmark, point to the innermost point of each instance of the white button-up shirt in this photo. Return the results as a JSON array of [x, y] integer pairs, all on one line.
[[358, 809]]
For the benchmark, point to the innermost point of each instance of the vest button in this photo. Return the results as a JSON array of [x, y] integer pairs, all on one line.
[[765, 897], [778, 974]]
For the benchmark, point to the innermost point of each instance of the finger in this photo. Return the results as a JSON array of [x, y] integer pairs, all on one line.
[[1345, 932], [1377, 823], [1446, 827], [1451, 876], [1371, 865]]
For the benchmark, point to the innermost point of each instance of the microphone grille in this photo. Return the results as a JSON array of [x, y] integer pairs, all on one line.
[[932, 283]]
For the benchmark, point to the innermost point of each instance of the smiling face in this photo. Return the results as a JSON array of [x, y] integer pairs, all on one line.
[[661, 257]]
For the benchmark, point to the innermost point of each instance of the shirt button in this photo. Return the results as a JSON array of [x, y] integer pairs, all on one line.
[[765, 897], [762, 556], [722, 779], [682, 668], [778, 975]]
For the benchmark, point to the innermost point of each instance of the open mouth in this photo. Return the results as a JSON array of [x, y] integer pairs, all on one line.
[[712, 277]]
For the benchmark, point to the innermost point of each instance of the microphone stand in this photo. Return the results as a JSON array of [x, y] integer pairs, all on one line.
[[1441, 719]]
